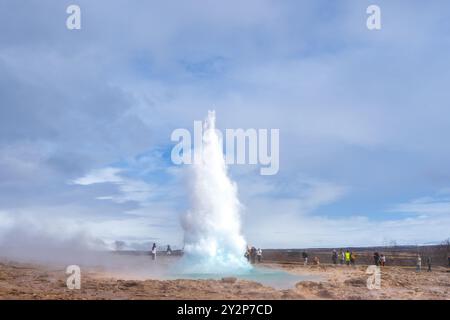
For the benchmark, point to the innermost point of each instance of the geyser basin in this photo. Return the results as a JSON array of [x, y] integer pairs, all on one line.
[[274, 278]]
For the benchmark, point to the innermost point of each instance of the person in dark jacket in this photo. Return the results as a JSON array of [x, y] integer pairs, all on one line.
[[376, 258], [253, 255], [429, 263], [334, 256]]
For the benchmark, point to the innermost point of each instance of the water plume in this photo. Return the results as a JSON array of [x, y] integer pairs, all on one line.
[[212, 227]]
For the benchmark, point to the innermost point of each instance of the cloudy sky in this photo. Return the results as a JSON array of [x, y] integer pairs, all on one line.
[[86, 117]]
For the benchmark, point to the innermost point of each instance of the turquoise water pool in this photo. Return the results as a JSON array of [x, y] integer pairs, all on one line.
[[274, 278]]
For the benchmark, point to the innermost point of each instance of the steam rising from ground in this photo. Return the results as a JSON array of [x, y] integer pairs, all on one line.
[[61, 242], [213, 240], [43, 239]]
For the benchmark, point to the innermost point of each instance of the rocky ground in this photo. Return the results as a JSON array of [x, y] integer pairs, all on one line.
[[31, 281], [342, 282]]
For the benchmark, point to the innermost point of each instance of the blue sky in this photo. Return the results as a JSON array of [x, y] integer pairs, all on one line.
[[364, 116]]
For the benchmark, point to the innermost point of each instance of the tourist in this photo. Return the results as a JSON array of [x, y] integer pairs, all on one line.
[[305, 258], [154, 251], [429, 264], [253, 255], [352, 258], [342, 256], [376, 258], [316, 261], [169, 250], [382, 260], [418, 263], [259, 254], [334, 256], [347, 257], [247, 254]]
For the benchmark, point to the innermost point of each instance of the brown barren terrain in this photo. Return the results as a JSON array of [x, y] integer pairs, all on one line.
[[31, 281]]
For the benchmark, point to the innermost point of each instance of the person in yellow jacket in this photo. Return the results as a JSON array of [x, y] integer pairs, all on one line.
[[347, 257]]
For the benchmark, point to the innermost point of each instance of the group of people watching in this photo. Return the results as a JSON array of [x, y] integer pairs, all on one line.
[[349, 258], [316, 259], [344, 257], [252, 254], [419, 263], [379, 259], [154, 249]]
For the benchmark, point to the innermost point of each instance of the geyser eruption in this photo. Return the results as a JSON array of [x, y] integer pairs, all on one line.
[[212, 228]]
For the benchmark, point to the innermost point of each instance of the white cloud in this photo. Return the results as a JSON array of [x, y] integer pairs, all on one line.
[[129, 189], [425, 206], [104, 175], [273, 229], [298, 219]]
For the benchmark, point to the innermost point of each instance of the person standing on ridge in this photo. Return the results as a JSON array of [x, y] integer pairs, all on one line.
[[247, 254], [154, 251], [418, 263], [305, 258], [429, 263], [376, 258], [253, 255], [347, 257], [334, 256], [316, 261], [382, 260], [259, 255], [352, 258]]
